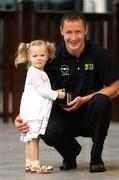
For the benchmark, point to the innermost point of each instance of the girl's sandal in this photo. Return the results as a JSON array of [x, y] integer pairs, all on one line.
[[34, 169], [27, 165], [45, 169], [27, 168]]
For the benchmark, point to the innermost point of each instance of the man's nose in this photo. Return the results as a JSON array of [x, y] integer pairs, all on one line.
[[74, 36]]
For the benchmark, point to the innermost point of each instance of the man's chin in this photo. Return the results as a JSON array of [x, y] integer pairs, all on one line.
[[74, 48]]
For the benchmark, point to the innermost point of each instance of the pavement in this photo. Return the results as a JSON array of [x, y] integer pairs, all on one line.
[[12, 157]]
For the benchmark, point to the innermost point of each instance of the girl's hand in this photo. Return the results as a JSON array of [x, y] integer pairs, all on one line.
[[61, 93]]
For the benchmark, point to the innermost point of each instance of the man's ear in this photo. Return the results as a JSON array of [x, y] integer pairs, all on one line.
[[61, 31], [86, 30]]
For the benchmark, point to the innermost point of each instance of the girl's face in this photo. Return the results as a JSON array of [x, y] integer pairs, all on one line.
[[38, 56]]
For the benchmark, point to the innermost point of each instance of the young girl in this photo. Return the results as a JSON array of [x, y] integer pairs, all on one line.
[[37, 99]]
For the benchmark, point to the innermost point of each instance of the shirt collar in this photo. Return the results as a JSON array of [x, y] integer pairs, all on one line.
[[65, 53]]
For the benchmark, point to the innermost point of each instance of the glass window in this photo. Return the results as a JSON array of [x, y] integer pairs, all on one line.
[[7, 4], [57, 4]]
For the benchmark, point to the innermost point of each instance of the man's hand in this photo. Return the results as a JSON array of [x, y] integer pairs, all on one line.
[[21, 126], [75, 104]]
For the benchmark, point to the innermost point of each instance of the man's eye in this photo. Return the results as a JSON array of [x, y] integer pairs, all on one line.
[[68, 32], [78, 32]]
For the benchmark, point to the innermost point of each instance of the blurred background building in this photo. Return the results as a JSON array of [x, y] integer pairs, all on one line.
[[86, 5]]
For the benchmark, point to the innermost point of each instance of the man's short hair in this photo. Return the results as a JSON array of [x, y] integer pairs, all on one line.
[[73, 16]]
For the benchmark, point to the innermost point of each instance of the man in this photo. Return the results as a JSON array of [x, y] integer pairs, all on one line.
[[86, 70]]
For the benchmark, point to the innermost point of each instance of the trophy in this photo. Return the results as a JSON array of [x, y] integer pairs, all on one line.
[[68, 98]]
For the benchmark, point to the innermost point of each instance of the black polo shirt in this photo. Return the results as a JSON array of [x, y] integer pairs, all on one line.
[[84, 75]]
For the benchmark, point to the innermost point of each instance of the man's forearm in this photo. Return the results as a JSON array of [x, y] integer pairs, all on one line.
[[111, 91]]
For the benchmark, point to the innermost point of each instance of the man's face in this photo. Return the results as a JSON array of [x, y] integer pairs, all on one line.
[[74, 33]]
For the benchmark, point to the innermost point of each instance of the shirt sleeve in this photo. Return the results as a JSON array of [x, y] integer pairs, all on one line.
[[47, 93], [38, 81], [107, 72]]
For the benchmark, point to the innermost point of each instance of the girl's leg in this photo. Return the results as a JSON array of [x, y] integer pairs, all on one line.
[[34, 154], [27, 158], [34, 157], [34, 149]]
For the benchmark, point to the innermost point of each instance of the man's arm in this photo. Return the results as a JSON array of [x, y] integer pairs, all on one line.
[[111, 91], [21, 126]]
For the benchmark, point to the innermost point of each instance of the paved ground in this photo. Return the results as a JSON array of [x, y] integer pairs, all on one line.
[[12, 158]]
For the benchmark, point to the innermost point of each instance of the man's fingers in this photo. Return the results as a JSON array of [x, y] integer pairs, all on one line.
[[24, 129], [71, 108]]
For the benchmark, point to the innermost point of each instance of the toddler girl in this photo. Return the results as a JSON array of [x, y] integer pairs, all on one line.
[[37, 99]]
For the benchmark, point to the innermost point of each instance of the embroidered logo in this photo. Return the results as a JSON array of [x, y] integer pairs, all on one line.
[[89, 67], [64, 70]]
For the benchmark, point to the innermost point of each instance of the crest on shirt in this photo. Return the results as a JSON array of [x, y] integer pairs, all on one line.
[[64, 70], [89, 67]]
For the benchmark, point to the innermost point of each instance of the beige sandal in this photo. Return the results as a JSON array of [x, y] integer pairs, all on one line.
[[43, 169], [27, 168], [34, 169], [35, 165], [28, 165]]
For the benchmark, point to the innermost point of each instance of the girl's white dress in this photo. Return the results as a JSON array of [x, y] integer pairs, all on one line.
[[36, 103]]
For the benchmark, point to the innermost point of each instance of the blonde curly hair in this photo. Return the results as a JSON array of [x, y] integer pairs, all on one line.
[[23, 50]]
